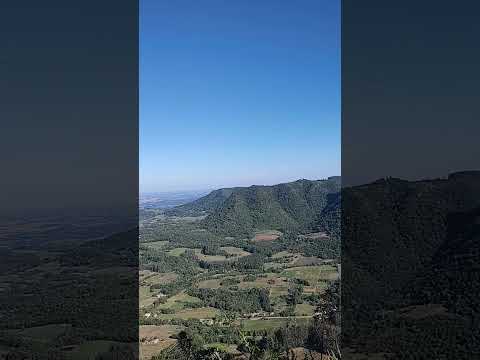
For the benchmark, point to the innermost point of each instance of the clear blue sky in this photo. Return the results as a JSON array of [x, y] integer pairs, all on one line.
[[238, 92]]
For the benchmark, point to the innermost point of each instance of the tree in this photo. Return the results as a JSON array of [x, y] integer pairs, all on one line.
[[189, 343], [294, 296]]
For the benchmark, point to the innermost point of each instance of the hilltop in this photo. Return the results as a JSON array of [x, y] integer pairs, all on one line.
[[290, 207], [202, 205]]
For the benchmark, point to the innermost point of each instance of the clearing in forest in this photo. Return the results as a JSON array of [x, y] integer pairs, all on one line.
[[267, 235]]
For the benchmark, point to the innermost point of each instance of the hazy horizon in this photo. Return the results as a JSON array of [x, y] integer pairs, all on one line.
[[238, 94], [213, 187]]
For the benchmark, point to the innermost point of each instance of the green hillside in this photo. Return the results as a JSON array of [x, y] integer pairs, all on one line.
[[203, 205], [289, 208]]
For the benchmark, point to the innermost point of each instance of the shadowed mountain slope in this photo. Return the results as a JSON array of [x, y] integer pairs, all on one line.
[[410, 254]]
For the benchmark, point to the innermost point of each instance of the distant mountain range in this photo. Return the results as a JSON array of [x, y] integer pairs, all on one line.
[[290, 207]]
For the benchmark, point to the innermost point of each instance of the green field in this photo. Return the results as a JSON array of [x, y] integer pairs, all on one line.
[[312, 274], [304, 310], [210, 284], [157, 244], [177, 302], [185, 314], [270, 280], [177, 251], [271, 324], [198, 252], [160, 278], [235, 251]]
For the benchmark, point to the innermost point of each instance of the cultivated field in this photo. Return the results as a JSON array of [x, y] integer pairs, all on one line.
[[267, 235]]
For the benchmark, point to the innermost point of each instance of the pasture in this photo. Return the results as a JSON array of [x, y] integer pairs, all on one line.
[[270, 324], [155, 338], [235, 251], [178, 302], [185, 314], [160, 278], [313, 274], [158, 245], [266, 235]]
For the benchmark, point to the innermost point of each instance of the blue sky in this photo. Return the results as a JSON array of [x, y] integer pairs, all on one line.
[[238, 92]]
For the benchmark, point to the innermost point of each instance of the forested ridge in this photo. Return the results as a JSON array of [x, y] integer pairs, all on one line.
[[291, 207]]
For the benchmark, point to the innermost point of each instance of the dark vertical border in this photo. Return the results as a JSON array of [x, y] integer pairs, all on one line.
[[411, 195], [69, 203]]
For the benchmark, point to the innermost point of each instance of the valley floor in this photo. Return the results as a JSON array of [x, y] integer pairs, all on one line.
[[225, 290]]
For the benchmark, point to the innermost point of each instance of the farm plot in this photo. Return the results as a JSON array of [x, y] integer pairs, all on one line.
[[266, 235], [198, 253], [179, 301], [158, 245], [154, 338], [185, 314], [235, 251], [313, 274], [160, 279], [270, 324]]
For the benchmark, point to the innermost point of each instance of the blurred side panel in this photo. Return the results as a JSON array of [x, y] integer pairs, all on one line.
[[411, 185], [69, 179]]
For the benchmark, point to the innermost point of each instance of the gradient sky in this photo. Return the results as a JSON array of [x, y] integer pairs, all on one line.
[[238, 92]]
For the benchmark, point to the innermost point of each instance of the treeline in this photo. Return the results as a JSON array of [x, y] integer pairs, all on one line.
[[317, 337], [158, 261], [186, 233], [324, 248], [241, 301], [248, 263]]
